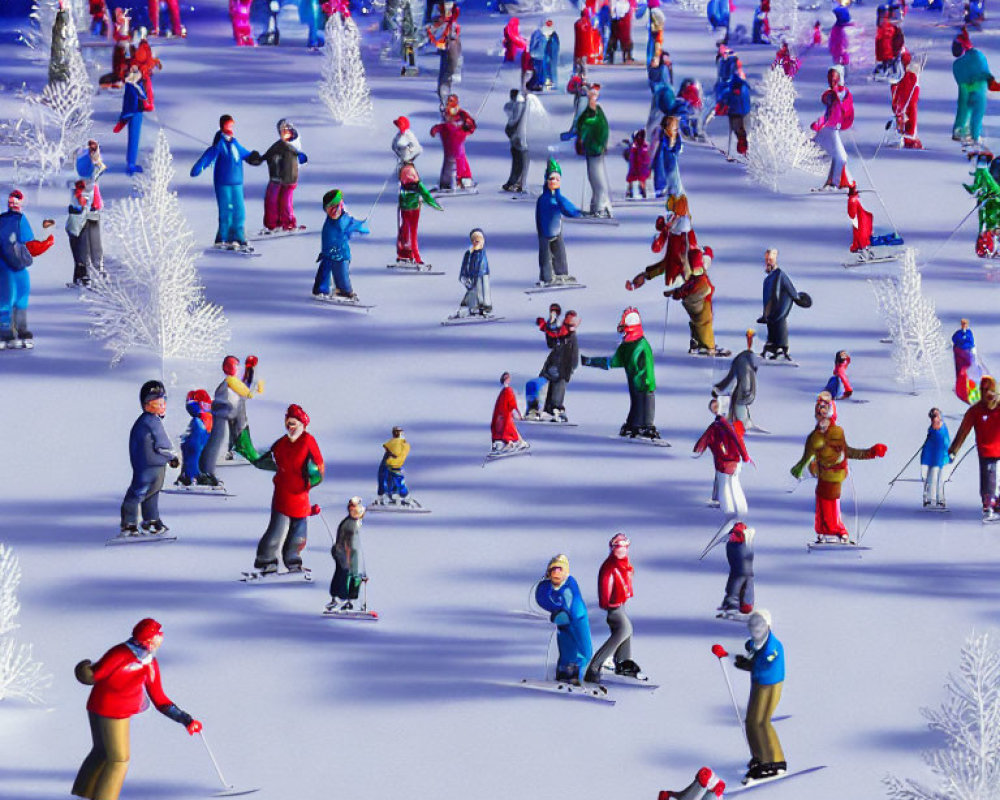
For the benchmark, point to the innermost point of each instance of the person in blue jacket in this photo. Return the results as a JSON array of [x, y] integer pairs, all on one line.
[[543, 47], [335, 257], [227, 155], [737, 103], [199, 406], [550, 208], [18, 248], [150, 451], [666, 162], [766, 664], [718, 14], [133, 108], [559, 594], [974, 79], [934, 455]]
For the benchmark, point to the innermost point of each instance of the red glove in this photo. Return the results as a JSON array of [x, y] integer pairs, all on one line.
[[251, 361], [540, 322], [719, 651], [661, 223], [194, 727], [993, 85], [879, 450], [314, 510]]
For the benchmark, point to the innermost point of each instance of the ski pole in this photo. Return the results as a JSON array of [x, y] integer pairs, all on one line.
[[960, 460], [720, 653], [379, 195], [225, 784], [854, 493], [489, 91], [715, 540], [329, 530], [864, 166], [666, 316], [898, 474], [953, 232]]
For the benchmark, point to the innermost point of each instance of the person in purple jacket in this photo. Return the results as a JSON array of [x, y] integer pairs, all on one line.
[[228, 156]]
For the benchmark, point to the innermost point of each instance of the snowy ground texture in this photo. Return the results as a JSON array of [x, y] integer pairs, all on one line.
[[303, 706]]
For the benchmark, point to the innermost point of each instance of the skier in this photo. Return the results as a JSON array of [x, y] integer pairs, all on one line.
[[18, 248], [838, 43], [766, 665], [121, 680], [404, 143], [621, 31], [560, 364], [583, 43], [904, 94], [513, 43], [591, 131], [150, 451], [728, 451], [391, 480], [199, 405], [550, 208], [889, 46], [968, 369], [449, 47], [175, 18], [779, 296], [718, 15], [225, 417], [239, 15], [335, 255], [475, 277], [839, 387], [412, 194], [89, 250], [973, 76], [695, 294], [80, 203], [666, 158], [516, 130], [228, 156], [705, 786], [742, 376], [536, 390], [838, 115], [143, 58], [559, 594], [637, 156], [614, 589], [99, 18], [503, 431], [984, 419], [934, 455], [826, 454], [283, 159], [739, 596], [298, 466], [348, 575], [784, 59], [676, 233], [543, 48], [761, 24], [133, 108], [636, 356], [120, 52], [736, 100], [455, 127]]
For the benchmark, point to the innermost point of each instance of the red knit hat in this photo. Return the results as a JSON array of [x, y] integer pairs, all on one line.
[[145, 630], [296, 412]]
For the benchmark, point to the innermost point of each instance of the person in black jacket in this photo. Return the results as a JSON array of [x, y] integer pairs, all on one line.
[[283, 159], [779, 295], [564, 355]]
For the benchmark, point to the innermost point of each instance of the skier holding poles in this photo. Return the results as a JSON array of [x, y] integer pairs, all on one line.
[[984, 418]]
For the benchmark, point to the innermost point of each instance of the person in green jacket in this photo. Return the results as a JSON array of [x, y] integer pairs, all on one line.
[[412, 193], [591, 130], [972, 74], [636, 356]]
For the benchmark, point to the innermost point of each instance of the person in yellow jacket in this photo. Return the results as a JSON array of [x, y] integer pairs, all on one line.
[[391, 480]]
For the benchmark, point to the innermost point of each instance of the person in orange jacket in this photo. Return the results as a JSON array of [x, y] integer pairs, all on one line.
[[984, 419], [614, 589]]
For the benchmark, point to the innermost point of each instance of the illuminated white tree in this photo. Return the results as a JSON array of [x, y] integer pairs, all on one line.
[[20, 675], [344, 86]]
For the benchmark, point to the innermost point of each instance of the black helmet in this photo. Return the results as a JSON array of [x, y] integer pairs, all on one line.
[[151, 390]]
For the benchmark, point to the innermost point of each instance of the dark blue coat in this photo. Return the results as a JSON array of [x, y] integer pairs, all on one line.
[[779, 294], [737, 96], [148, 443]]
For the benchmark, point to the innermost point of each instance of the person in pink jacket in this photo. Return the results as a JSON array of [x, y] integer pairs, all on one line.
[[513, 43], [838, 115], [239, 14], [640, 164], [455, 127], [728, 452]]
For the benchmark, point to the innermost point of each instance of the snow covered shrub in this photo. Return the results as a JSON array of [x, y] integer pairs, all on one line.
[[151, 297], [344, 87], [776, 140], [967, 765], [20, 675], [918, 343]]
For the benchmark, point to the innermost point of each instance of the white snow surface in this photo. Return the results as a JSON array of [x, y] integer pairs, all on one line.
[[306, 707]]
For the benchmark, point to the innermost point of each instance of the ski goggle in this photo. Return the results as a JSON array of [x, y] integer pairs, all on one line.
[[620, 541]]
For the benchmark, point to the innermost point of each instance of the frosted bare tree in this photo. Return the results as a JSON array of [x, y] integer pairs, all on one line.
[[967, 765], [344, 85], [919, 345], [776, 141], [151, 297], [20, 675]]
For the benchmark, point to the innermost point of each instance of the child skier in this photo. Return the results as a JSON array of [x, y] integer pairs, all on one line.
[[560, 364], [666, 158], [728, 451], [639, 165], [614, 589], [412, 194], [968, 369], [225, 402], [133, 107], [839, 387], [984, 419], [391, 480], [335, 256], [934, 455], [559, 594], [348, 574], [199, 406], [455, 127], [739, 597], [503, 431], [475, 277], [283, 159], [150, 451]]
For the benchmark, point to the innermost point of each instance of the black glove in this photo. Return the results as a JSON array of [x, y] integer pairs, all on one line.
[[584, 360], [539, 321], [175, 462], [846, 395], [761, 321], [177, 715], [714, 393], [742, 662]]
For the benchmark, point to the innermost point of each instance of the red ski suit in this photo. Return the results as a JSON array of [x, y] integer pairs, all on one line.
[[614, 582], [174, 9], [862, 232], [119, 682], [904, 95], [502, 428], [513, 42], [291, 481]]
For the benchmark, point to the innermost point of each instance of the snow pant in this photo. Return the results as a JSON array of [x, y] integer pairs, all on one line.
[[739, 592], [391, 481], [555, 398], [291, 551], [406, 238], [738, 128], [339, 271], [741, 412], [175, 15], [190, 458], [87, 249], [345, 584], [144, 492], [777, 334], [551, 258], [221, 414], [763, 739], [449, 172], [278, 210], [237, 422], [478, 295], [575, 648], [621, 33], [732, 501], [988, 481], [519, 162], [132, 147], [597, 175], [102, 772], [445, 81], [828, 521], [642, 408], [666, 174], [15, 288], [232, 213], [934, 485], [700, 324], [309, 15], [829, 140], [905, 109], [970, 110], [618, 644]]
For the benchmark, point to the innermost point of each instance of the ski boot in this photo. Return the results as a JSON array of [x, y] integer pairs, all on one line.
[[628, 668], [208, 480], [183, 480], [649, 432], [129, 529], [154, 526], [627, 430], [570, 674]]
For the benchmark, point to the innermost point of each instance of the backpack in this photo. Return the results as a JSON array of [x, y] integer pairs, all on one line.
[[14, 253]]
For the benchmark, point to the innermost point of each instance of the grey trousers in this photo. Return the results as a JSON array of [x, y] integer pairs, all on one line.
[[520, 160], [449, 173], [551, 258], [144, 492], [619, 643], [934, 486], [556, 396], [479, 294], [295, 542], [216, 439], [87, 249], [597, 174]]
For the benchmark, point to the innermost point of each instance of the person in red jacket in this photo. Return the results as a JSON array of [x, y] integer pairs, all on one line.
[[984, 419], [728, 452], [583, 40], [143, 58], [861, 223], [120, 679], [905, 93], [298, 465], [513, 42], [614, 588], [502, 428]]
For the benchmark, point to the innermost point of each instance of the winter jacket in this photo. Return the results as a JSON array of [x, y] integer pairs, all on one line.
[[971, 70], [564, 603], [839, 110], [737, 97], [283, 161], [14, 228], [560, 364], [346, 550], [228, 156], [963, 340], [779, 295], [474, 266], [637, 359], [291, 481], [727, 448], [582, 37], [888, 41], [411, 195], [396, 451], [657, 76], [120, 678], [592, 132], [133, 101], [827, 453], [148, 443], [838, 385], [934, 453], [986, 423], [516, 128], [614, 582], [513, 42], [502, 427], [76, 219], [406, 147], [336, 237], [768, 663], [549, 211], [742, 370], [639, 161]]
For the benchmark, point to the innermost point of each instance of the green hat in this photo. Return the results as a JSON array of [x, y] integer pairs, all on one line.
[[553, 166], [332, 198]]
